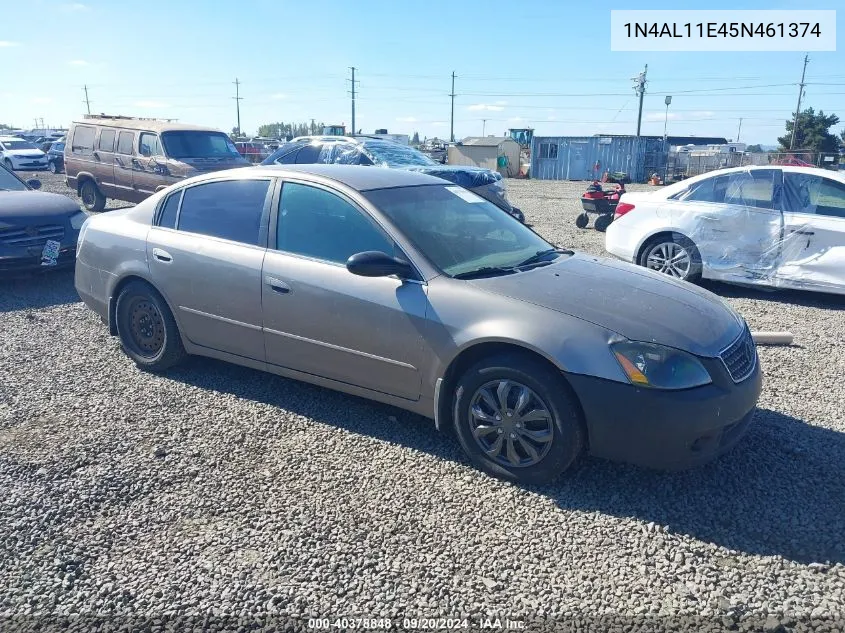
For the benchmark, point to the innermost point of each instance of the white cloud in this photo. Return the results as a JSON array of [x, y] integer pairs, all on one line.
[[77, 62], [42, 100], [407, 119], [279, 96], [151, 104], [477, 107], [7, 44]]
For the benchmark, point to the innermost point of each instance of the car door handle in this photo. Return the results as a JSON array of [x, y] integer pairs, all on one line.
[[162, 256], [277, 285]]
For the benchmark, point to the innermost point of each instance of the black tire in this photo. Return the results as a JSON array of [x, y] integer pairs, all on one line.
[[92, 198], [582, 221], [651, 254], [53, 167], [146, 327], [565, 424], [602, 222]]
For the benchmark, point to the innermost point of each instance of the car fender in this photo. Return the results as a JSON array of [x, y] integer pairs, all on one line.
[[80, 177]]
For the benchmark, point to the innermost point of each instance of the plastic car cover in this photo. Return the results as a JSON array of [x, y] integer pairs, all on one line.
[[747, 240], [468, 177]]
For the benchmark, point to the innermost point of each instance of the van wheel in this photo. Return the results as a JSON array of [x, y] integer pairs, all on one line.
[[146, 327], [517, 419], [92, 198]]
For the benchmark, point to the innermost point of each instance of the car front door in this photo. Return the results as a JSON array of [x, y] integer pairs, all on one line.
[[148, 166], [124, 186], [734, 221], [205, 254], [321, 319], [814, 231]]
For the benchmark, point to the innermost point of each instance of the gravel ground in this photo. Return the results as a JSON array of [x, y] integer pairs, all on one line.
[[220, 491]]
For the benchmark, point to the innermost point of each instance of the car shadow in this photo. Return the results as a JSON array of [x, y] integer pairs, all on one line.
[[780, 492], [33, 291], [805, 298]]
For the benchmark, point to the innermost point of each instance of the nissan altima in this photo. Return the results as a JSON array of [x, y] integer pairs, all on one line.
[[406, 289]]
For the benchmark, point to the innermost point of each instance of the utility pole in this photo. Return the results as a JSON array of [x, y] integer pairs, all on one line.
[[639, 90], [798, 107], [352, 68], [238, 98], [452, 119], [739, 129], [87, 102], [483, 126]]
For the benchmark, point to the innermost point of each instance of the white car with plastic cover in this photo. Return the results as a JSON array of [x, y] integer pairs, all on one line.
[[774, 226]]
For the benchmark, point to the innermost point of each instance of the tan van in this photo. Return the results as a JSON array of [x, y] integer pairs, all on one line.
[[130, 159]]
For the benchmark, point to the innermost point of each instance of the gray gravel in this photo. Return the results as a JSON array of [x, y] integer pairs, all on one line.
[[222, 491]]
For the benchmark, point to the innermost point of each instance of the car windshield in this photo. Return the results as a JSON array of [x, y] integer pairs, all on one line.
[[197, 144], [9, 182], [395, 155], [458, 231], [18, 145]]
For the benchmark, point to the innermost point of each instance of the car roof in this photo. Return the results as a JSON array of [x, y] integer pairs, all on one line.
[[11, 138], [151, 125], [358, 177]]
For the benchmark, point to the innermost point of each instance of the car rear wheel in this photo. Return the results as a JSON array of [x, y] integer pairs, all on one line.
[[674, 255], [92, 198], [146, 327], [517, 419]]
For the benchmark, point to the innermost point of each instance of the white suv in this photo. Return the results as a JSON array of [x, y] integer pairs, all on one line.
[[17, 153]]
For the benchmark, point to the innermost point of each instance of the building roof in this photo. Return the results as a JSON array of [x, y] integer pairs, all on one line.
[[151, 125], [486, 141]]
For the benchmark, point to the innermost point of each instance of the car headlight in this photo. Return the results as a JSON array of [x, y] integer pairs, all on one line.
[[659, 367], [78, 219]]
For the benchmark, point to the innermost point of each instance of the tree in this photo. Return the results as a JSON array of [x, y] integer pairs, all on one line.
[[416, 139], [289, 130], [813, 132], [754, 148]]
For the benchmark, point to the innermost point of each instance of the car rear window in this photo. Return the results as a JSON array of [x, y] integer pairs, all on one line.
[[124, 143], [228, 209]]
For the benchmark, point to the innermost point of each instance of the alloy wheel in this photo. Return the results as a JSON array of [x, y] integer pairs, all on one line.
[[670, 258], [510, 423]]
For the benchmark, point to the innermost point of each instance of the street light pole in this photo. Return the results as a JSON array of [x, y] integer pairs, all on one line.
[[667, 101]]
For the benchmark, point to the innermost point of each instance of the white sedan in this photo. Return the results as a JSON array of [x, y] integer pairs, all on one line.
[[781, 227], [18, 153]]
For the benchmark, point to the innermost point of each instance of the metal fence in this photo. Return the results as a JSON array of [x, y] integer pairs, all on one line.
[[682, 165]]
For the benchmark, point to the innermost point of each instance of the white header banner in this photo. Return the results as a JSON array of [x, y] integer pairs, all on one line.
[[800, 31]]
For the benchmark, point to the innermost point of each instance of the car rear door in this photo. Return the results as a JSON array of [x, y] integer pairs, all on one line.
[[104, 156], [205, 254], [814, 231], [321, 319], [124, 178], [734, 221]]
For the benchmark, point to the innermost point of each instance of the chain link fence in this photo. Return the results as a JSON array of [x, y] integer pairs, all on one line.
[[682, 165]]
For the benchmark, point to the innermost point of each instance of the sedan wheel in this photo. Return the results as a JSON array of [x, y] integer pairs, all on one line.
[[675, 256], [54, 169], [510, 423], [146, 327], [517, 418]]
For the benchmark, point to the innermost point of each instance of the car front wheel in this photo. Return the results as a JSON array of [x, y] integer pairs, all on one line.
[[674, 255], [54, 169], [517, 419], [146, 327]]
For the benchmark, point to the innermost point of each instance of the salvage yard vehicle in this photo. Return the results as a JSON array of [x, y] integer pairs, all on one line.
[[777, 227], [56, 157], [406, 289], [130, 159], [18, 153], [38, 230], [363, 150]]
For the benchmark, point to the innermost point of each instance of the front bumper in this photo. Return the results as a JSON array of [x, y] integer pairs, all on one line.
[[28, 163], [10, 264], [667, 430]]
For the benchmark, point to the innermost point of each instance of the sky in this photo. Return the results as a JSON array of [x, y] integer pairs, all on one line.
[[524, 63]]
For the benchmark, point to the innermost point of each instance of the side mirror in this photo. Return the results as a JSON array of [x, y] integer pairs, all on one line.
[[377, 264], [34, 183]]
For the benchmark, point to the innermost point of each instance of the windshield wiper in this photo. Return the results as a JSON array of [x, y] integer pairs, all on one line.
[[539, 255], [485, 271]]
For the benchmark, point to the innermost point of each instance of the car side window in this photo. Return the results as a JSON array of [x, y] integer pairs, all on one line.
[[751, 189], [83, 140], [809, 193], [167, 215], [287, 159], [316, 223], [228, 209], [707, 190], [309, 155], [106, 142], [125, 141], [150, 145]]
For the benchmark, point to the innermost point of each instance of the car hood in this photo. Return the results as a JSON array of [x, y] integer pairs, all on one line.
[[26, 153], [639, 304], [462, 175], [17, 204]]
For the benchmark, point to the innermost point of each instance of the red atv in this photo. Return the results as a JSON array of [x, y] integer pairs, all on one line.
[[601, 202]]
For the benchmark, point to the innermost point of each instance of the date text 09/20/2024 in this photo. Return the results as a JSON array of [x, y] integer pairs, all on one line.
[[722, 29], [416, 624]]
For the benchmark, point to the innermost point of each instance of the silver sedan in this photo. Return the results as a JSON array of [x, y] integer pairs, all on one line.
[[409, 290]]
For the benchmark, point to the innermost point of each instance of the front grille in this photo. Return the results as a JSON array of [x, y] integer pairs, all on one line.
[[740, 357], [29, 236]]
